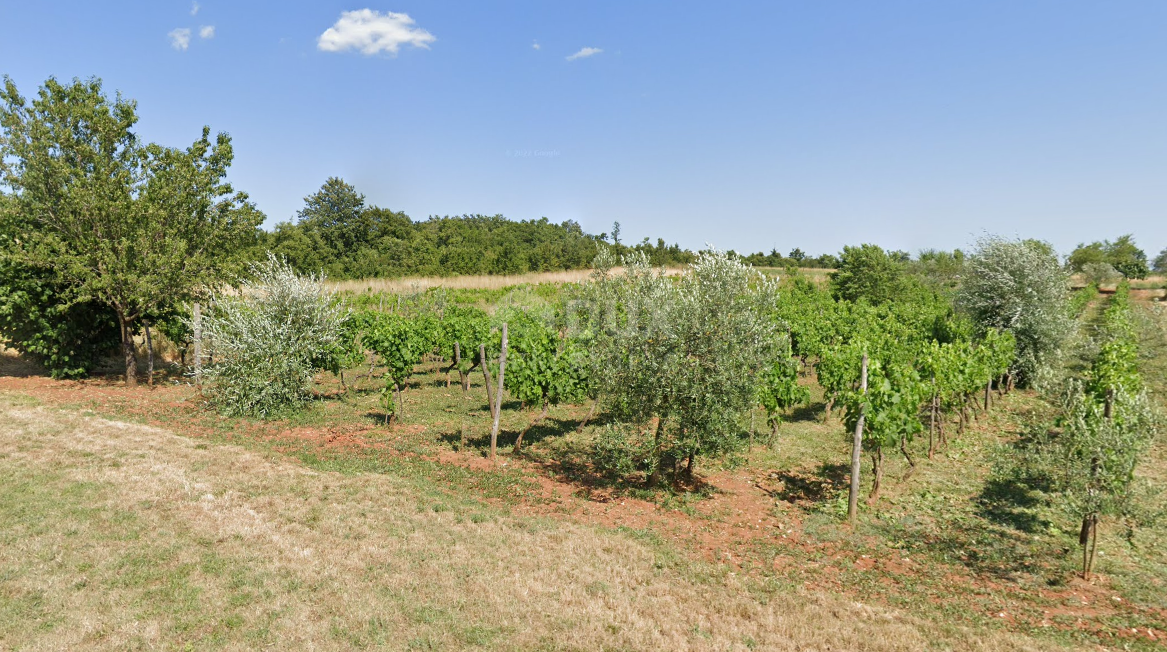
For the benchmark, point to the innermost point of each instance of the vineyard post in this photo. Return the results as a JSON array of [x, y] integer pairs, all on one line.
[[988, 390], [753, 409], [197, 336], [935, 407], [502, 365], [149, 354], [486, 375], [857, 448]]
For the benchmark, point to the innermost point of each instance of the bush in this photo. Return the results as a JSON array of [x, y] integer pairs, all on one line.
[[271, 340], [1018, 286], [68, 339], [868, 272], [1101, 273]]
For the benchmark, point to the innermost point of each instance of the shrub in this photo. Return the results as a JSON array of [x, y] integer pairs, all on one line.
[[1098, 273], [271, 340], [1018, 286]]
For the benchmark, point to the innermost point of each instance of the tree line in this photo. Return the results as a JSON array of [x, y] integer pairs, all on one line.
[[338, 233]]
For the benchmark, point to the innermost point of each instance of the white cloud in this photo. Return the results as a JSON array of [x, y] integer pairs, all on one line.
[[194, 8], [180, 38], [207, 31], [585, 53], [372, 32], [536, 45]]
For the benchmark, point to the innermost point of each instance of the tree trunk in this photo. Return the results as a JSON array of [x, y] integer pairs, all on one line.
[[502, 365], [830, 404], [458, 363], [877, 467], [538, 419], [1108, 409], [908, 456], [654, 478], [1088, 535], [751, 448], [131, 357], [149, 355], [857, 448], [588, 417], [689, 467]]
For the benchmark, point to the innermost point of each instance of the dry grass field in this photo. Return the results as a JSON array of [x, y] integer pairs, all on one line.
[[122, 536], [498, 282]]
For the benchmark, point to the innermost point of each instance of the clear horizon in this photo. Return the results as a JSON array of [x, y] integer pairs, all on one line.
[[747, 126]]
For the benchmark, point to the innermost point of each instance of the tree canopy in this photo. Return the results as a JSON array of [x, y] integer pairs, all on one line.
[[869, 273], [1018, 286], [111, 220], [1122, 254]]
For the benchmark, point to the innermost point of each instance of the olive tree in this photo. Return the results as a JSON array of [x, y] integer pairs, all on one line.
[[270, 341], [682, 355], [1018, 286], [1091, 459]]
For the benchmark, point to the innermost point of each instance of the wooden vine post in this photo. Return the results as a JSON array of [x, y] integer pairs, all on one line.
[[149, 355], [197, 337], [502, 365], [857, 448], [486, 375]]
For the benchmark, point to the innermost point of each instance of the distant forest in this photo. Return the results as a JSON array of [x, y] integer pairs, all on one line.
[[338, 233]]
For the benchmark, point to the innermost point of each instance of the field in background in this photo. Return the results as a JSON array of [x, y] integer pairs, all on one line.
[[492, 282]]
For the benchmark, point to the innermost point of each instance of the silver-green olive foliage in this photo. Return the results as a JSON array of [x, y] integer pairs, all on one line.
[[684, 351], [1018, 286], [271, 340]]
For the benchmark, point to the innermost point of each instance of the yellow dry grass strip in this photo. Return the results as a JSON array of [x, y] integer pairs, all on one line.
[[119, 536], [479, 282], [498, 282]]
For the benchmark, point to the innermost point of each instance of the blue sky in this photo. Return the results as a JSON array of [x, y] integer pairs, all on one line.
[[744, 125]]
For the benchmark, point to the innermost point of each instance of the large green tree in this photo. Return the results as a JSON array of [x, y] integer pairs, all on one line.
[[1160, 264], [132, 226], [1122, 254], [868, 272]]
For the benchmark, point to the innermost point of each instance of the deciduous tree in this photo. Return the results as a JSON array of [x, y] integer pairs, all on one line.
[[132, 226]]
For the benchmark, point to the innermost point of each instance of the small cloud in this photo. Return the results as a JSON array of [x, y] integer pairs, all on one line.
[[180, 38], [585, 53], [207, 31], [194, 8], [536, 45], [372, 32]]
